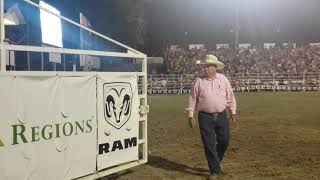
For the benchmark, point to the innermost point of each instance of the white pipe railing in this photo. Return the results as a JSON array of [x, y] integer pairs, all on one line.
[[244, 82]]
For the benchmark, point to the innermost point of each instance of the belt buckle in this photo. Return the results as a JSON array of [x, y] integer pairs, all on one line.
[[215, 115]]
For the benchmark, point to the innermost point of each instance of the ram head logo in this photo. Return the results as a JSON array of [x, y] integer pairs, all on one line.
[[118, 103]]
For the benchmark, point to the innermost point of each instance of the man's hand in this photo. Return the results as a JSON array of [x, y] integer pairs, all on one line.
[[233, 118], [192, 123]]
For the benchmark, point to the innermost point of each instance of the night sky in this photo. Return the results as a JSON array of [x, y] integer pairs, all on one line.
[[205, 21]]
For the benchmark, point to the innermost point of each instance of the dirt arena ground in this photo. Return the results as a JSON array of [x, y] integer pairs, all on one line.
[[278, 138]]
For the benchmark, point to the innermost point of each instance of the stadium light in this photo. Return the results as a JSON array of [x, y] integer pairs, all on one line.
[[50, 25]]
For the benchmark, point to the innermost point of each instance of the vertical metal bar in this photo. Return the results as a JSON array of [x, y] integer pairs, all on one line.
[[259, 82], [151, 84], [29, 64], [248, 82], [145, 101], [304, 81], [181, 85], [42, 62], [243, 83], [319, 82], [64, 62], [237, 27], [2, 36], [273, 83], [289, 83]]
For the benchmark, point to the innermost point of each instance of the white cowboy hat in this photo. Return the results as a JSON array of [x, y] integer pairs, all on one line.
[[211, 59]]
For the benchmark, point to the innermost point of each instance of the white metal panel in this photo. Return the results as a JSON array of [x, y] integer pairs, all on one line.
[[118, 121]]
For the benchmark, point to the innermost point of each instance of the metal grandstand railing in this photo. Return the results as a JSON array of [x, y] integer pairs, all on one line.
[[177, 84]]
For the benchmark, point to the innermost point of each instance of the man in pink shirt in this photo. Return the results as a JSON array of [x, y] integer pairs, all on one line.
[[211, 95]]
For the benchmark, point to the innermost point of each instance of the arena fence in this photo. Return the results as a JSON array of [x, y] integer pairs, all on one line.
[[71, 125], [241, 82]]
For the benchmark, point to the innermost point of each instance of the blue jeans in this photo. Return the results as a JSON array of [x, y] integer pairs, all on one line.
[[214, 129]]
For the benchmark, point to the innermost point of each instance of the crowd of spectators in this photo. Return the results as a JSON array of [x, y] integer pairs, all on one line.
[[246, 60]]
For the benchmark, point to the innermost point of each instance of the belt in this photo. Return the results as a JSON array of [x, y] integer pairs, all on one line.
[[213, 114]]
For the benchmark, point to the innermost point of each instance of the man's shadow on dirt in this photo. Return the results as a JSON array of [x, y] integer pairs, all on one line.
[[166, 164]]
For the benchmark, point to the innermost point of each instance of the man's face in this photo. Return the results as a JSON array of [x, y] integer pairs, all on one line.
[[210, 69]]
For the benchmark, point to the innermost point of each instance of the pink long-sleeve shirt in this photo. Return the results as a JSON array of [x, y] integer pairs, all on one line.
[[211, 95]]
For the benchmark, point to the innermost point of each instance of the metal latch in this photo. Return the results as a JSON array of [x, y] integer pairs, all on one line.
[[144, 109]]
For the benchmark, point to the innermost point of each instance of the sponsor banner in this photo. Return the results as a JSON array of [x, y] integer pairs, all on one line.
[[293, 45], [315, 44], [269, 45], [118, 120], [218, 46], [55, 57], [245, 45], [196, 46], [174, 47], [48, 127]]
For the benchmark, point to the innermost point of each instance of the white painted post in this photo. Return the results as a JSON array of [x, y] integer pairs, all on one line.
[[144, 116], [181, 84], [273, 82], [319, 82], [304, 81], [2, 36], [243, 84]]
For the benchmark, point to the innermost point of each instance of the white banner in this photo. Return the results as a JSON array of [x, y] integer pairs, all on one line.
[[245, 45], [118, 120], [55, 57], [196, 46], [174, 47], [222, 46], [314, 44], [269, 45], [293, 45], [48, 127]]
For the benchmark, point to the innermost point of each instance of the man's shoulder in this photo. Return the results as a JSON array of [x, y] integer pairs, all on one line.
[[222, 76], [198, 79]]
